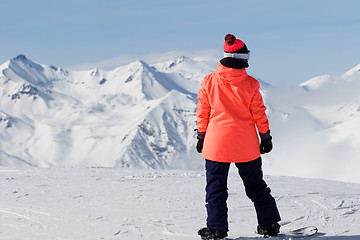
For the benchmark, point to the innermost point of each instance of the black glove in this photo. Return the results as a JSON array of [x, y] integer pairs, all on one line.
[[200, 143], [266, 143]]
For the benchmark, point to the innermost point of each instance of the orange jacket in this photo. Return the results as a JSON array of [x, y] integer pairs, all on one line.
[[229, 107]]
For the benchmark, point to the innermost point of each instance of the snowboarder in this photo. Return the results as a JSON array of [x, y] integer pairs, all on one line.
[[229, 110]]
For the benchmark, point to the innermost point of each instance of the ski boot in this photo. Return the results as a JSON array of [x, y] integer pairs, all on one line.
[[269, 231], [212, 234]]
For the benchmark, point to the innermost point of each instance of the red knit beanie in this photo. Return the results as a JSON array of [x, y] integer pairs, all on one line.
[[232, 45]]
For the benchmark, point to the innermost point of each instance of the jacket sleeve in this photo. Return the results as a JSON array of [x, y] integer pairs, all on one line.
[[257, 109], [203, 107]]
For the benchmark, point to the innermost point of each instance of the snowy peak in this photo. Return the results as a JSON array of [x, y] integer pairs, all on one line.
[[21, 78], [146, 79], [317, 82], [21, 58], [188, 68], [169, 65], [22, 68], [326, 80], [136, 82], [142, 81], [355, 71]]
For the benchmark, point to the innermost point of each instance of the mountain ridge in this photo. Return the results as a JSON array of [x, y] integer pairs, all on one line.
[[66, 110], [143, 116]]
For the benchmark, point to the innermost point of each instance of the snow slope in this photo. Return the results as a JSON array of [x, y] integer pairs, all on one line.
[[142, 116], [107, 203]]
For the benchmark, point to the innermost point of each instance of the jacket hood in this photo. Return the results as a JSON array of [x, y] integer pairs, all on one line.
[[230, 75]]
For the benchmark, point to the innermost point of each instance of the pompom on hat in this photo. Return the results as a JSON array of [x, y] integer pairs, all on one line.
[[233, 45], [235, 48]]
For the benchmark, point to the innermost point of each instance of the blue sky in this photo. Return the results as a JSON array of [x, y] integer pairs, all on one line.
[[290, 41]]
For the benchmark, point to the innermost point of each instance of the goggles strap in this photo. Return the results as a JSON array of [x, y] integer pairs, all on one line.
[[244, 56]]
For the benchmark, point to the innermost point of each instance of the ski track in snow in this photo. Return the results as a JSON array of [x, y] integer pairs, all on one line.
[[107, 203]]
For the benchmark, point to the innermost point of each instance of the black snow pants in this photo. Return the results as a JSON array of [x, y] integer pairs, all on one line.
[[255, 187]]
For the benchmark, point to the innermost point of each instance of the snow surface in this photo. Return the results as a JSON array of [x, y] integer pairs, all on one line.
[[108, 203]]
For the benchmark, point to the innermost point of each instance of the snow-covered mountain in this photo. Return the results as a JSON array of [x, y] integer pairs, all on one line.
[[143, 116], [315, 127], [132, 116]]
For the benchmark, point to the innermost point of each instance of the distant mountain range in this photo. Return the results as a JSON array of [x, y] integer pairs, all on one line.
[[143, 116]]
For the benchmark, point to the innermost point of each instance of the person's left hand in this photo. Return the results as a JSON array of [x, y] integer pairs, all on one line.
[[266, 142]]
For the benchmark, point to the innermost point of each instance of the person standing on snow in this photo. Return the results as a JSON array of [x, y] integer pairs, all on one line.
[[229, 110]]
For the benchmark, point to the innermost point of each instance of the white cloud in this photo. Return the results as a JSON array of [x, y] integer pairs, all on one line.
[[150, 58]]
